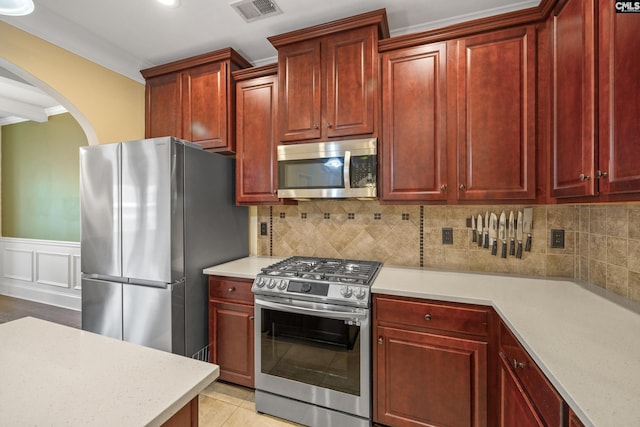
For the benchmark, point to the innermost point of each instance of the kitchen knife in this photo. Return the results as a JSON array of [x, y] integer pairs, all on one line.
[[493, 233], [512, 234], [480, 230], [487, 225], [519, 235], [527, 227], [502, 234], [474, 237]]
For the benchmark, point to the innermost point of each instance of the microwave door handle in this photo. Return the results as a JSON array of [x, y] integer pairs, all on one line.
[[347, 170]]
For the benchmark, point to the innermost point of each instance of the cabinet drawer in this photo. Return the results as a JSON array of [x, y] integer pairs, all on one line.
[[230, 288], [432, 315], [545, 398]]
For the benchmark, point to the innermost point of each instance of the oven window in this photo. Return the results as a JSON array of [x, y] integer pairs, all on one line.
[[312, 350], [312, 173]]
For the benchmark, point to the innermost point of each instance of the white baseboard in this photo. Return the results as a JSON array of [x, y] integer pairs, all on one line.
[[43, 271]]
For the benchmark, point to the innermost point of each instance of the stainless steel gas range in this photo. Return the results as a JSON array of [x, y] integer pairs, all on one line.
[[313, 340]]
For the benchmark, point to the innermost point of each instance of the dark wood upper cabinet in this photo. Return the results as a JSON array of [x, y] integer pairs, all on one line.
[[194, 99], [328, 78], [619, 105], [496, 118], [595, 128], [414, 101], [574, 79], [256, 135]]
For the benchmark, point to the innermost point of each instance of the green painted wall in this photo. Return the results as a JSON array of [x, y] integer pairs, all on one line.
[[41, 179]]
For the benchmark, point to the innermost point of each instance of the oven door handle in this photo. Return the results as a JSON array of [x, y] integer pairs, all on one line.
[[303, 307]]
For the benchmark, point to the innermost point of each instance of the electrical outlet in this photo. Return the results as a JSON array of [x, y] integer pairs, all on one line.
[[447, 236], [557, 239], [263, 228]]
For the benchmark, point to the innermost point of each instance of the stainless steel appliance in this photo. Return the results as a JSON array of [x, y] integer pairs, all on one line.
[[336, 169], [313, 340], [154, 213]]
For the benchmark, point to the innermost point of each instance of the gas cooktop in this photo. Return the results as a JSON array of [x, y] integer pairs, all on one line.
[[343, 281]]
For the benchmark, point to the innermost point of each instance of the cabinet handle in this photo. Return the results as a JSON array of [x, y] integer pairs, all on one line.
[[443, 187], [231, 289], [463, 187], [584, 177], [427, 317], [329, 125], [380, 340], [251, 317], [517, 364], [602, 174]]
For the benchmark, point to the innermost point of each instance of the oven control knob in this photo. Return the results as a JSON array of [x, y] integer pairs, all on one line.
[[282, 284], [360, 293], [260, 282], [271, 284], [345, 291]]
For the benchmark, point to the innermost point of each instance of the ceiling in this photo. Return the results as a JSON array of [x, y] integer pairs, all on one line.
[[126, 36]]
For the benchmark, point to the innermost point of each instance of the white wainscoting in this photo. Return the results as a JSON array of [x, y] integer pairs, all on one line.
[[45, 271]]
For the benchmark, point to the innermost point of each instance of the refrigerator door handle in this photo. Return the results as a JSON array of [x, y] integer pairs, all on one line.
[[155, 284]]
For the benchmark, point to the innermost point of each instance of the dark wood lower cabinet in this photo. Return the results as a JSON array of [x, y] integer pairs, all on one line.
[[515, 407], [428, 377], [231, 329]]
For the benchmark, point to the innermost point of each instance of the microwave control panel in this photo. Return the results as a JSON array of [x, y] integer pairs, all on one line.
[[363, 171]]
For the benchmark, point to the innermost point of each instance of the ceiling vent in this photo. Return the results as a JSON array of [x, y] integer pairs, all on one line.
[[252, 10]]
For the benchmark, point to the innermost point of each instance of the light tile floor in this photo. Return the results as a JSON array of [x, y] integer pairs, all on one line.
[[226, 405]]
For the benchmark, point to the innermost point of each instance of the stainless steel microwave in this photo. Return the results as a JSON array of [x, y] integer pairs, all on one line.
[[336, 169]]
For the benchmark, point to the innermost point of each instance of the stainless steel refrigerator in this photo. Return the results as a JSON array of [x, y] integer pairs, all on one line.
[[154, 213]]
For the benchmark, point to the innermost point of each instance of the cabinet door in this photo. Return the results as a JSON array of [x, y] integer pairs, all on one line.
[[163, 113], [496, 115], [414, 132], [350, 73], [426, 379], [515, 407], [619, 100], [256, 140], [573, 147], [204, 105], [231, 341], [300, 89]]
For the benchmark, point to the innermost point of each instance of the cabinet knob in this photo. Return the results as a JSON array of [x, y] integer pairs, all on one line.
[[329, 125], [602, 174], [517, 364], [427, 317], [584, 177], [463, 187], [315, 126], [231, 289], [252, 317], [380, 340], [443, 187]]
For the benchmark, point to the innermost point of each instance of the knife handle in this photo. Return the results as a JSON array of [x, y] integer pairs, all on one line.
[[486, 241], [519, 252], [494, 248], [527, 246], [474, 236], [504, 250], [512, 248], [479, 240]]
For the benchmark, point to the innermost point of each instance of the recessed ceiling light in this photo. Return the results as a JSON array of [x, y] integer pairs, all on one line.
[[16, 7], [169, 3]]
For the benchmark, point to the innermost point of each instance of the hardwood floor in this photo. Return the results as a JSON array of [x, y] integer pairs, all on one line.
[[15, 308]]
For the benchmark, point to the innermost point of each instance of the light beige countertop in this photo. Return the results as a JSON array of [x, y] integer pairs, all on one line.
[[53, 375], [585, 343]]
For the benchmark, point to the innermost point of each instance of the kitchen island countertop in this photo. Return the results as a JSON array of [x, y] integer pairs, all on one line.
[[55, 375], [584, 342]]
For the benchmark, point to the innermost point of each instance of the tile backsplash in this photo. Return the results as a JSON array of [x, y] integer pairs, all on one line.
[[602, 242]]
